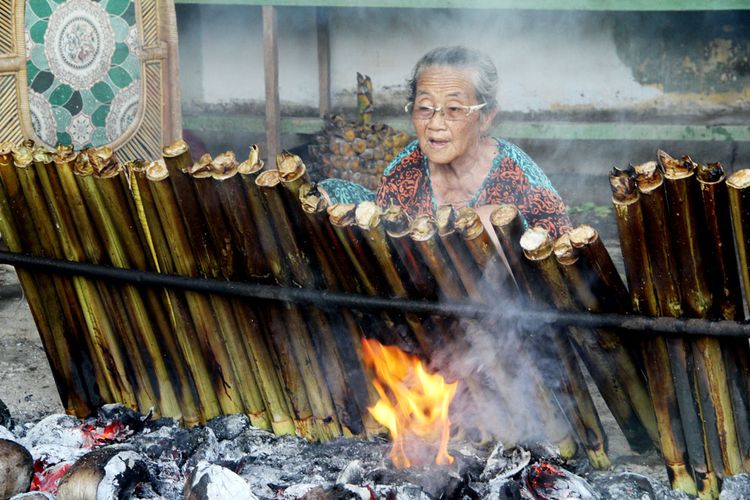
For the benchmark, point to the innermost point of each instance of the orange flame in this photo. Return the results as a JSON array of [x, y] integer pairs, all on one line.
[[413, 404]]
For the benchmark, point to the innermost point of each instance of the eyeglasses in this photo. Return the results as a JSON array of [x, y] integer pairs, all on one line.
[[452, 113]]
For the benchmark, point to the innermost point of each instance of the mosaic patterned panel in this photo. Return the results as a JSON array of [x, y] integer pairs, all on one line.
[[83, 69]]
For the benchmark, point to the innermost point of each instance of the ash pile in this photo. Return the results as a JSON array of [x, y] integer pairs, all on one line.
[[123, 454]]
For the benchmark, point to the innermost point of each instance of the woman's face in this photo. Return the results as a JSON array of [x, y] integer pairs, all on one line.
[[441, 140]]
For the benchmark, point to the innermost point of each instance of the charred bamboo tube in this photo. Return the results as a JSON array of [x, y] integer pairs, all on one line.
[[224, 170], [631, 229], [106, 205], [274, 316], [251, 261], [195, 212], [610, 365], [63, 243], [484, 252], [738, 185], [710, 373], [509, 226], [321, 400], [338, 275], [207, 196], [397, 224], [368, 218], [456, 248], [193, 351], [201, 310], [424, 235], [653, 201], [724, 275], [537, 248], [39, 289], [342, 219]]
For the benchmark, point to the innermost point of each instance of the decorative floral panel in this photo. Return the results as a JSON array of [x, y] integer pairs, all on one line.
[[83, 69]]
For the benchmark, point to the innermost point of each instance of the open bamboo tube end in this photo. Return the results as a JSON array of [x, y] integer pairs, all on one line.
[[740, 179], [253, 163], [311, 200], [674, 168], [23, 156], [622, 183], [710, 173], [157, 171], [648, 177], [41, 155], [103, 162], [564, 251], [583, 235], [423, 228], [268, 179], [367, 215], [536, 243], [224, 166], [445, 217], [342, 214], [468, 223], [396, 221], [63, 154], [177, 148], [289, 165], [503, 215], [201, 169]]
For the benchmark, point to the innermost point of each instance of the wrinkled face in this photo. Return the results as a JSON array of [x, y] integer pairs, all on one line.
[[444, 141]]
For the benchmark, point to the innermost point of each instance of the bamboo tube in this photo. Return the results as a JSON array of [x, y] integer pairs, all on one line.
[[203, 217], [610, 365], [185, 263], [484, 252], [738, 191], [61, 242], [251, 260], [397, 224], [653, 201], [509, 225], [207, 196], [713, 388], [106, 204], [455, 247], [424, 235], [188, 339], [274, 319], [537, 248], [338, 275], [76, 393], [302, 344], [631, 229]]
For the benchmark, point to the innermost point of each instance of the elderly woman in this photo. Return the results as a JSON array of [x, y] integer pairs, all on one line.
[[453, 161]]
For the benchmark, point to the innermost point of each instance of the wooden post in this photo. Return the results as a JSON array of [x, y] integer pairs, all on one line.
[[271, 66], [324, 61]]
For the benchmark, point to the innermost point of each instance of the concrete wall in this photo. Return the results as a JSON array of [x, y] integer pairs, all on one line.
[[550, 61]]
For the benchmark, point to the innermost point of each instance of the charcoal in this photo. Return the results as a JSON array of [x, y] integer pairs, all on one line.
[[504, 463], [623, 486], [6, 434], [228, 426], [5, 420], [16, 468], [402, 492], [206, 449], [110, 472], [212, 482], [158, 444], [502, 489], [544, 480], [119, 412], [57, 430], [300, 490], [735, 487], [338, 492]]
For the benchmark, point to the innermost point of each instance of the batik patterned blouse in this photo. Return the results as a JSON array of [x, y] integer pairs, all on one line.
[[514, 179]]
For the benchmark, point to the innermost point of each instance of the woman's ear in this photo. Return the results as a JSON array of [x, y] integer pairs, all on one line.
[[486, 119]]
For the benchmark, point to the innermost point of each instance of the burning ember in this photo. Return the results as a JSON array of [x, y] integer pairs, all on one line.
[[413, 405]]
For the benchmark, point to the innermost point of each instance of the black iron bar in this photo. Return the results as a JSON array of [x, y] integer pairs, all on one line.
[[525, 317]]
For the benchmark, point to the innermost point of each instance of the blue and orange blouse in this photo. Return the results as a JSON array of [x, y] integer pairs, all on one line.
[[514, 178]]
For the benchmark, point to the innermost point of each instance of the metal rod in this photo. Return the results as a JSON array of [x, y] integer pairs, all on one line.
[[523, 317]]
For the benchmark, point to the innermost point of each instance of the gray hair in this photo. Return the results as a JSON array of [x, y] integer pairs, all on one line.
[[485, 72]]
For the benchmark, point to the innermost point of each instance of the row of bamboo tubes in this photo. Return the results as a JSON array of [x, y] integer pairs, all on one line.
[[298, 369]]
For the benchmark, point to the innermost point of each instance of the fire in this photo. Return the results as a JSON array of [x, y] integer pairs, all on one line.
[[413, 404]]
